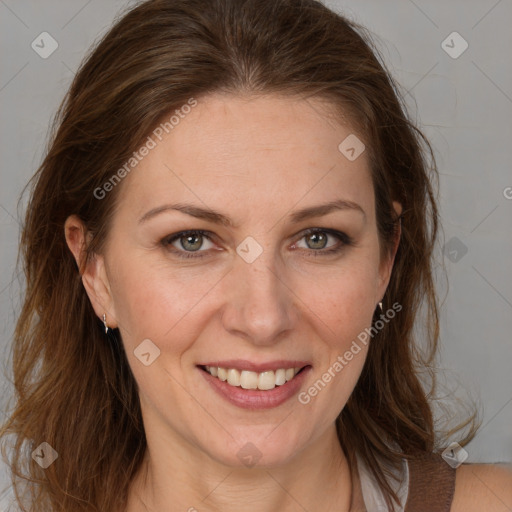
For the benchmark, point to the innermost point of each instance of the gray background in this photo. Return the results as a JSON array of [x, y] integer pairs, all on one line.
[[464, 106]]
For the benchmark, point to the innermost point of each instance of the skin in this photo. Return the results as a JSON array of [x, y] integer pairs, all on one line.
[[483, 487], [256, 160]]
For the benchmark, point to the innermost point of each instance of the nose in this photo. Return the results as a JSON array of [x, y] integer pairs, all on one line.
[[260, 304]]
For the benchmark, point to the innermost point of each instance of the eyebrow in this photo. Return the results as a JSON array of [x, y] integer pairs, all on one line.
[[220, 218]]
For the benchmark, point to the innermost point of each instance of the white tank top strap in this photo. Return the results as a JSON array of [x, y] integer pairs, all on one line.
[[372, 495]]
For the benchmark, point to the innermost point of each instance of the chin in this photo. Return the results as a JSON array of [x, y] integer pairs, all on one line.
[[257, 449]]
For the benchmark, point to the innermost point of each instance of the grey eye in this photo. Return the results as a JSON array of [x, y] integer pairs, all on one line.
[[316, 240], [191, 242]]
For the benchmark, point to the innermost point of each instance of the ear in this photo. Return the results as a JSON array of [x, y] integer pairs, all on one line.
[[94, 275], [386, 265]]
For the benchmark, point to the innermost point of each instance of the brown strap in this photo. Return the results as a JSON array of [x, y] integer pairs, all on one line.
[[431, 484]]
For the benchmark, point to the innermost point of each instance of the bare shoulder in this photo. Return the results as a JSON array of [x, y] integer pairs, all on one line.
[[483, 487]]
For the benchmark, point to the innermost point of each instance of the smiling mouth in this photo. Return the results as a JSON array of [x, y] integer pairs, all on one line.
[[253, 380]]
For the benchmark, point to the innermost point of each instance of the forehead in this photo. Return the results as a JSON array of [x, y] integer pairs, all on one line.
[[254, 153]]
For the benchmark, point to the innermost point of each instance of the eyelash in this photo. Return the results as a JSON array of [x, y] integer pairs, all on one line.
[[344, 239]]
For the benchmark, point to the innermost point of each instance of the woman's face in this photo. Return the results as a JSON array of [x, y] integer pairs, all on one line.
[[255, 292]]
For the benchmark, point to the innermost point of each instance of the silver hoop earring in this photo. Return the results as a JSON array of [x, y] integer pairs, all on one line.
[[105, 323]]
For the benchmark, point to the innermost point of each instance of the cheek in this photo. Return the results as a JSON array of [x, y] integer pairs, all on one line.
[[343, 299], [342, 314], [151, 301]]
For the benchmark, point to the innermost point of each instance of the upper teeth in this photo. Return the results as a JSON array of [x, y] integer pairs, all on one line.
[[252, 380]]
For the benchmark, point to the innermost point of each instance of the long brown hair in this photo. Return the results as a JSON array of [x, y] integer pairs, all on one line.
[[74, 390]]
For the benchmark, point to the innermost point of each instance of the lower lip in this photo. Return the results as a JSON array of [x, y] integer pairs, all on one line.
[[255, 398]]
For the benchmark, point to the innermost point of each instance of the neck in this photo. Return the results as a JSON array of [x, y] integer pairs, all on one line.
[[173, 477]]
